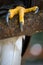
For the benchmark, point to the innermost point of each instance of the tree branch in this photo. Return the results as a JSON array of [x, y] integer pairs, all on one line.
[[33, 24]]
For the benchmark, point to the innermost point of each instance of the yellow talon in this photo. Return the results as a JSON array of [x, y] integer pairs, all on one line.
[[13, 12], [21, 10], [31, 9], [21, 16]]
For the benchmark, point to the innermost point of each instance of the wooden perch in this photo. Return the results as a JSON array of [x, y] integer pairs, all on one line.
[[33, 24]]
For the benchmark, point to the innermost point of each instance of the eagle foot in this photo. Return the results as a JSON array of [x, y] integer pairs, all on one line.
[[21, 11]]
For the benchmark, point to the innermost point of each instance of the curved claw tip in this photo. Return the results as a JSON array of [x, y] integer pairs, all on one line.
[[37, 10], [21, 27], [7, 17]]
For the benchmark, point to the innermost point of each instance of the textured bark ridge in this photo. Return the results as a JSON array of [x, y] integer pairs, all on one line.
[[33, 24]]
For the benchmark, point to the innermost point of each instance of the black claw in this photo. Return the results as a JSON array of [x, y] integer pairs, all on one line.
[[7, 18], [21, 27], [37, 10]]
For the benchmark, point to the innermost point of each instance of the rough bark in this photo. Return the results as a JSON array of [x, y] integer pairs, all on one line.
[[33, 24]]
